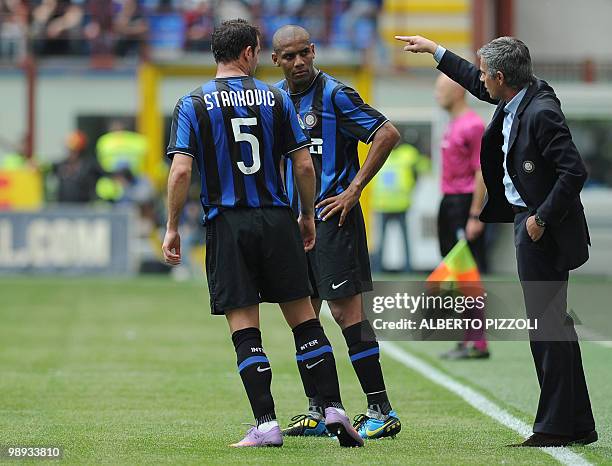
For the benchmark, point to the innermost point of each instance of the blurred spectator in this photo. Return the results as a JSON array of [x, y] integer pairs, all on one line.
[[354, 23], [167, 30], [132, 189], [78, 174], [124, 188], [200, 23], [120, 148], [15, 158], [314, 18], [130, 27], [13, 27], [57, 27], [393, 186], [122, 27], [273, 14], [99, 30]]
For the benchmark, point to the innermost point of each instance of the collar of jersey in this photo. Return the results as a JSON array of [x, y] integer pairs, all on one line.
[[238, 76], [305, 91]]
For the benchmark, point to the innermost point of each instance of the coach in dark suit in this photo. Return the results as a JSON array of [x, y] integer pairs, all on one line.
[[533, 174]]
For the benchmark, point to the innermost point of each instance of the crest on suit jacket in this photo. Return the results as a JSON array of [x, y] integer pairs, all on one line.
[[528, 166]]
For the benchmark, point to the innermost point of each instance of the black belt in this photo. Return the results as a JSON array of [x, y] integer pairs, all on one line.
[[518, 209]]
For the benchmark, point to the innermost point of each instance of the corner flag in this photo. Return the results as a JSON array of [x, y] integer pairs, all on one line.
[[459, 267]]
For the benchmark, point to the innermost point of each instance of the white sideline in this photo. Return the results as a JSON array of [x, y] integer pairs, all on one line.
[[586, 334], [478, 401]]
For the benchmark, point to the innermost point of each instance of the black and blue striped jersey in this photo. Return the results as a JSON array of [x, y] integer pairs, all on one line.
[[337, 119], [237, 129]]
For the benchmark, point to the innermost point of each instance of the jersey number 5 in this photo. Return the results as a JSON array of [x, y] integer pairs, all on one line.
[[251, 139]]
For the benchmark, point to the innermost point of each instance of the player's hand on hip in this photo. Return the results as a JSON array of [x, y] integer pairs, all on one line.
[[473, 229], [342, 204], [534, 230], [172, 247], [307, 230], [418, 44]]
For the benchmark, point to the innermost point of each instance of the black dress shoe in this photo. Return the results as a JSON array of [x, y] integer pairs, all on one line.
[[545, 440], [550, 440], [585, 438]]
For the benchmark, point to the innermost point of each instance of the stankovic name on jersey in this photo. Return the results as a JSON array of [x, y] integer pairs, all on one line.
[[240, 98]]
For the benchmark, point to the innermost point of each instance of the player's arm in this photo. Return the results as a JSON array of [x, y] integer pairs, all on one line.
[[179, 180], [452, 65], [385, 139], [182, 150], [360, 121], [304, 174], [383, 142], [295, 143]]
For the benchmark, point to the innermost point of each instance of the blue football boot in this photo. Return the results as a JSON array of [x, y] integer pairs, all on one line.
[[375, 425]]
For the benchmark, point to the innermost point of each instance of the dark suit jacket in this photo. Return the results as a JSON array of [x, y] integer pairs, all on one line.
[[542, 162]]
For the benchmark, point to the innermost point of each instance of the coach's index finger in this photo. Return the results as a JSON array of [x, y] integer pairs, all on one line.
[[418, 44]]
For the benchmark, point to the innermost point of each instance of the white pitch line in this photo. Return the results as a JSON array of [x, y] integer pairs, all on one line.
[[478, 401], [586, 334]]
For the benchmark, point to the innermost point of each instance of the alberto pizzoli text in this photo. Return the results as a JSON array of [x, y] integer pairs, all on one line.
[[455, 324]]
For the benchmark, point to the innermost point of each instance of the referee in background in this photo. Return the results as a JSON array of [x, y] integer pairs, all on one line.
[[464, 191]]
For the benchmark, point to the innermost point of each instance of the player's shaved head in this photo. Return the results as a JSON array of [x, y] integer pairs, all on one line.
[[295, 54], [289, 34]]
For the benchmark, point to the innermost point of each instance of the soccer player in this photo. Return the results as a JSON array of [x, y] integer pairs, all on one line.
[[237, 128], [337, 120]]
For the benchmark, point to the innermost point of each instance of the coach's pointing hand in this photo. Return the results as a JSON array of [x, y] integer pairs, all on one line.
[[418, 44], [342, 203], [172, 247]]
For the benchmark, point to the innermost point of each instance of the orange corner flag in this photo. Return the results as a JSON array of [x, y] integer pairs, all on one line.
[[458, 266]]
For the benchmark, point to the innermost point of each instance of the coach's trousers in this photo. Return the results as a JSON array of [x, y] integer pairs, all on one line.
[[564, 407]]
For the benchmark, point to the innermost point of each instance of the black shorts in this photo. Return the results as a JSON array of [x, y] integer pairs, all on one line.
[[254, 255], [339, 264]]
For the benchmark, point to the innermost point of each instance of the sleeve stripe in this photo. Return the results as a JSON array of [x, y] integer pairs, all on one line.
[[301, 146], [179, 151], [375, 130]]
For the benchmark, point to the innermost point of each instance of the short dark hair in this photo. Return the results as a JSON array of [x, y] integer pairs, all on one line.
[[510, 56], [231, 38]]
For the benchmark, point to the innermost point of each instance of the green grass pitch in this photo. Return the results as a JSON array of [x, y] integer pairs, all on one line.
[[137, 371]]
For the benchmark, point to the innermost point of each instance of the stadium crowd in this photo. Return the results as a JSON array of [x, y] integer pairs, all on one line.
[[130, 27]]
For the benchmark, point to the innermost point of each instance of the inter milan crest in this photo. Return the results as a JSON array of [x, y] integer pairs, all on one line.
[[528, 166], [310, 119]]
